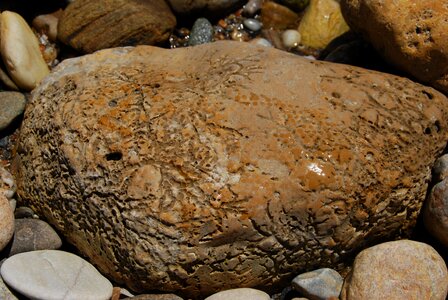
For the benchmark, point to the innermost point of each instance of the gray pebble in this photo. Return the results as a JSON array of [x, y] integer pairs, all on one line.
[[319, 284], [252, 24], [12, 105], [252, 7], [33, 234], [440, 169], [201, 33], [23, 212], [261, 42]]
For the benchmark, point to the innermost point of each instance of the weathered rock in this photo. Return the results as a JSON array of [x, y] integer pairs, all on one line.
[[440, 169], [321, 284], [90, 25], [7, 183], [204, 7], [20, 51], [53, 274], [397, 270], [409, 34], [240, 294], [12, 105], [33, 234], [321, 23], [435, 212], [198, 177], [278, 17], [6, 221]]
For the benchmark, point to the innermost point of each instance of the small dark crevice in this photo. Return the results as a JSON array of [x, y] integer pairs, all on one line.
[[114, 156]]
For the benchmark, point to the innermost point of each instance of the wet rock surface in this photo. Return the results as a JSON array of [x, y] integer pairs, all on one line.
[[90, 25], [409, 34], [163, 164]]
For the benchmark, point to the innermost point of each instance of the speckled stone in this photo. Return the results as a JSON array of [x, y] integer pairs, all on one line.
[[6, 221], [201, 32], [321, 284], [224, 165], [435, 212], [53, 274], [397, 270], [12, 105]]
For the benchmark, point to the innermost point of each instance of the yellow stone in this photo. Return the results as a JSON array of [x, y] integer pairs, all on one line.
[[322, 23]]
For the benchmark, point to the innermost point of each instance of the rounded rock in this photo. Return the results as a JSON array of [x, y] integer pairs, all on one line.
[[291, 38], [7, 182], [440, 169], [319, 284], [6, 221], [20, 51], [252, 6], [53, 274], [155, 297], [240, 294], [201, 32], [33, 234], [12, 105], [252, 24], [435, 212], [23, 212], [397, 270], [261, 41]]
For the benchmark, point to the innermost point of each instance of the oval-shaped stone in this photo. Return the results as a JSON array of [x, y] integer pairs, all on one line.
[[193, 177], [6, 221], [20, 51], [240, 294], [53, 274]]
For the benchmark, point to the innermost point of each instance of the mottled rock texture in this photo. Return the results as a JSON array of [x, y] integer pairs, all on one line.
[[90, 25], [409, 34], [236, 172]]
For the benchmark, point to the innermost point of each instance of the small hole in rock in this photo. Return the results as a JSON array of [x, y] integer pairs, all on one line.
[[113, 103], [336, 95], [437, 125], [157, 85], [114, 156], [427, 130], [428, 95]]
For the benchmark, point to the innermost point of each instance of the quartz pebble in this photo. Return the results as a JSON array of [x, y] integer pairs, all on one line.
[[6, 221], [435, 212], [319, 284], [397, 270], [252, 7], [12, 105], [53, 274], [252, 24], [20, 51], [240, 294], [201, 32], [290, 38], [33, 234]]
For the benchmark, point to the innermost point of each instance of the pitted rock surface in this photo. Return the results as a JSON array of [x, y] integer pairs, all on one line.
[[240, 171], [409, 34]]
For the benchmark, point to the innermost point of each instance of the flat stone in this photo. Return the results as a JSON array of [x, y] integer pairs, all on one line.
[[12, 105], [20, 51], [240, 294], [155, 297], [319, 284], [409, 34], [435, 212], [397, 270], [225, 165], [33, 234], [91, 25], [53, 274], [6, 221]]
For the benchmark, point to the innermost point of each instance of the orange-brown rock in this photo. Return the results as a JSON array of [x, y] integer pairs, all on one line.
[[90, 25], [409, 34], [225, 165]]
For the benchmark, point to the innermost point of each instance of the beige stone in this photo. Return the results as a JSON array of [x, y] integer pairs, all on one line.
[[6, 221], [226, 165], [20, 51], [321, 23], [409, 34], [397, 270], [91, 25]]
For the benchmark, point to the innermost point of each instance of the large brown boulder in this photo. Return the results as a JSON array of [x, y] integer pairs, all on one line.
[[225, 165], [91, 25], [409, 34]]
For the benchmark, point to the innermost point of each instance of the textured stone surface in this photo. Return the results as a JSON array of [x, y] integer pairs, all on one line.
[[440, 169], [12, 105], [7, 183], [5, 293], [20, 51], [397, 270], [155, 297], [31, 235], [186, 7], [53, 274], [321, 23], [236, 172], [240, 294], [321, 284], [90, 25], [6, 221], [409, 34], [435, 213]]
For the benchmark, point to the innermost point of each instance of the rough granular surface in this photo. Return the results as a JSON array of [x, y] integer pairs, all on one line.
[[225, 165]]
